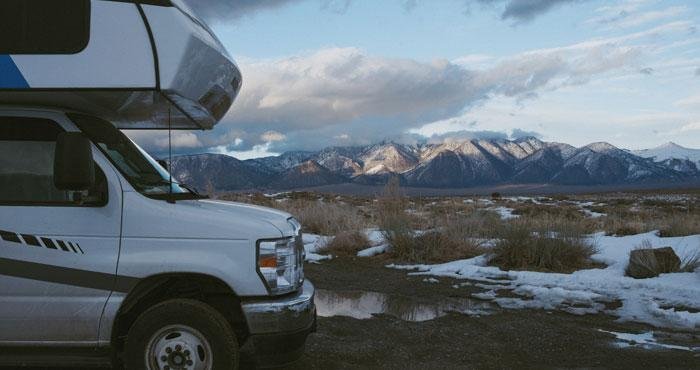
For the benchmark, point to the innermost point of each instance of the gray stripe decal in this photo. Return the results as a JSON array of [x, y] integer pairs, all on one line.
[[67, 276]]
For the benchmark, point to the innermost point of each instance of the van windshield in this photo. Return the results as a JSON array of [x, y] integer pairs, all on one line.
[[142, 171]]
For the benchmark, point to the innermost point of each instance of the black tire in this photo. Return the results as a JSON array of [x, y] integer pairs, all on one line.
[[197, 315]]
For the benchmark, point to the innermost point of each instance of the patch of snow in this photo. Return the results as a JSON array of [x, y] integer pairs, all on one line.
[[275, 195], [592, 214], [523, 200], [644, 340], [431, 280], [378, 244], [313, 244], [373, 251], [504, 212], [659, 301]]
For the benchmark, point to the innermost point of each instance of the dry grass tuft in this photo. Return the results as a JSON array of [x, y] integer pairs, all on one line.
[[679, 225], [561, 247], [690, 263], [348, 243], [435, 246], [323, 218], [449, 236]]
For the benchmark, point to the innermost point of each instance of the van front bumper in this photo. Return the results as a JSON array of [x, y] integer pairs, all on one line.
[[278, 327]]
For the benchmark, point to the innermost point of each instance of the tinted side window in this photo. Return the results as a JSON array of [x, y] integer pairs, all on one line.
[[44, 26], [27, 148]]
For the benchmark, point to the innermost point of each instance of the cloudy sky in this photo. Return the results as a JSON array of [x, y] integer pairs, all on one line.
[[349, 72]]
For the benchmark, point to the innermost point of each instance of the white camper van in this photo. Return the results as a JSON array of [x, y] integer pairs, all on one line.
[[104, 260]]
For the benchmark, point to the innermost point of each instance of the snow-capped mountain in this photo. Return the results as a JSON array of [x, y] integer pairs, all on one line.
[[670, 151], [217, 171], [452, 164]]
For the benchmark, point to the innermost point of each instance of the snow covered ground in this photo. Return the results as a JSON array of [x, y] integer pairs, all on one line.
[[504, 212], [670, 300], [313, 244], [644, 340]]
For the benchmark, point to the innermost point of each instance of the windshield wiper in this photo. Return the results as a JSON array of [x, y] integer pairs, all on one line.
[[193, 191]]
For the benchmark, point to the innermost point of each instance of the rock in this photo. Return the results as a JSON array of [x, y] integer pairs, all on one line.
[[667, 259], [648, 263]]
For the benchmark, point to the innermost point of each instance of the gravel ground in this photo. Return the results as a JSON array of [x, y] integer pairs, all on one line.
[[503, 339]]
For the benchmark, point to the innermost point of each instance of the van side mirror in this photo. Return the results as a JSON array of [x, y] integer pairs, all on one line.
[[74, 167]]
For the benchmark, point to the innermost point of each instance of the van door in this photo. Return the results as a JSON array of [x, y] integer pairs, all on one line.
[[58, 249]]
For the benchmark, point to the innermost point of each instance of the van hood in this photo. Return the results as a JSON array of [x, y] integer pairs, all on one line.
[[202, 219], [276, 218]]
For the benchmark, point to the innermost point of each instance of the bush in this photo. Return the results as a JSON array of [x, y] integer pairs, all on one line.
[[677, 225], [691, 262], [448, 236], [323, 218], [561, 247], [392, 218], [348, 243], [478, 224]]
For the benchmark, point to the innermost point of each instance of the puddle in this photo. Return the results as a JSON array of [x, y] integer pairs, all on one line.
[[644, 340], [364, 305]]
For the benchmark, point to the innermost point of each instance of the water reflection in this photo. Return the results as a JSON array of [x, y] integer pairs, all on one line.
[[363, 305]]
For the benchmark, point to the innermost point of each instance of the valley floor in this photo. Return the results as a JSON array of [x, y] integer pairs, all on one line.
[[508, 189]]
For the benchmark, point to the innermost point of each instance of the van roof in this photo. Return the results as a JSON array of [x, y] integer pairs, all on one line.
[[149, 64]]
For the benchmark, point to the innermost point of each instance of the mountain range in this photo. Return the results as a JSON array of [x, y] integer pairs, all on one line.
[[451, 164]]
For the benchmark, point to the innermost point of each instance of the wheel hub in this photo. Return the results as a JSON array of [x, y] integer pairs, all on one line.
[[179, 348]]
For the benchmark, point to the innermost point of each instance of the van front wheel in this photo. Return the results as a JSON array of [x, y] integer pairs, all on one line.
[[181, 334]]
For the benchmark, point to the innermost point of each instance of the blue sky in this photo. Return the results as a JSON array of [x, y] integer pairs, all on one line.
[[352, 72]]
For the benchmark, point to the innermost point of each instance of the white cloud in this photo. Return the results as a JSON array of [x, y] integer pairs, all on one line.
[[180, 140], [690, 127], [271, 136], [258, 151], [689, 102], [347, 88], [632, 14], [651, 16]]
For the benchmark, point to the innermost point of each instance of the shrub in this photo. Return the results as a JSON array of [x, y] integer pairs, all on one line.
[[448, 237], [434, 246], [691, 262], [496, 196], [348, 243], [677, 225], [568, 212], [561, 247], [392, 218], [323, 218], [477, 224]]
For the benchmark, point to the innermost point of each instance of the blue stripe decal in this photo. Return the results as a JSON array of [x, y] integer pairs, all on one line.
[[10, 76]]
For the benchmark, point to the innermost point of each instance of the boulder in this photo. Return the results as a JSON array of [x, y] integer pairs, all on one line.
[[648, 263], [667, 260]]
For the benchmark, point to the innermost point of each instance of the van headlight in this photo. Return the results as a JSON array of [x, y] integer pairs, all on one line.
[[281, 264]]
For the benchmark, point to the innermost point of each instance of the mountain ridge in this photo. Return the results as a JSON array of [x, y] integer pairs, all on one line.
[[450, 164]]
